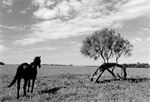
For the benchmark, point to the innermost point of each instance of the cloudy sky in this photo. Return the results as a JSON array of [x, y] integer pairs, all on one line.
[[55, 29]]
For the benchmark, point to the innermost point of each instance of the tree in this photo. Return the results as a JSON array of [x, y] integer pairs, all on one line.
[[106, 44], [98, 45], [122, 46], [2, 63]]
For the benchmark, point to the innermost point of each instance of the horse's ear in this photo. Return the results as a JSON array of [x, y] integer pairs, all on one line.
[[39, 56]]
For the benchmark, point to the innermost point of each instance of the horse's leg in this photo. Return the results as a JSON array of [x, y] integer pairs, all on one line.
[[18, 87], [91, 77], [28, 85], [24, 87], [99, 76], [32, 85]]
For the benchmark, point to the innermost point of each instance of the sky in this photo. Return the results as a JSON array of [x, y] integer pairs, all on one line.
[[55, 29]]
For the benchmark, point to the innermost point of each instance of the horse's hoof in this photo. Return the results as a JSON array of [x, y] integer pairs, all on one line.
[[25, 95]]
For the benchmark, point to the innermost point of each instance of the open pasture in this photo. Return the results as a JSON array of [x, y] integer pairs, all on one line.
[[71, 84], [53, 70]]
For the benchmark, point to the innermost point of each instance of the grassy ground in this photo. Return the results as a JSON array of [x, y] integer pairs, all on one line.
[[78, 88]]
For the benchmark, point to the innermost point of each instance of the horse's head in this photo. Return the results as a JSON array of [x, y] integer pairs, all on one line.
[[37, 60]]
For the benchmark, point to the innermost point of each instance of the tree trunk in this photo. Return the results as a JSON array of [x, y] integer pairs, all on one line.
[[107, 60], [117, 60], [103, 56]]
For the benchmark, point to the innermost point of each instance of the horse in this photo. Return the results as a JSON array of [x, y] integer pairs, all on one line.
[[27, 72], [107, 66]]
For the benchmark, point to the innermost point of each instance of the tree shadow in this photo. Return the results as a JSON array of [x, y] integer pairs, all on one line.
[[108, 80], [132, 80], [51, 91], [136, 80]]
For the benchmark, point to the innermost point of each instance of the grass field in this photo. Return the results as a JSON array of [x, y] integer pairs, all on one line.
[[71, 84]]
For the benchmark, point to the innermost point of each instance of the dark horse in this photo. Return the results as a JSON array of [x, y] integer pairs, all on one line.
[[27, 72]]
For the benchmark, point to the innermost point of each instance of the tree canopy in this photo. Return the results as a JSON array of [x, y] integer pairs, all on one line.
[[106, 43]]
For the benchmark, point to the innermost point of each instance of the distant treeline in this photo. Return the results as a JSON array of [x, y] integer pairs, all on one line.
[[2, 63], [132, 65], [58, 64], [137, 65]]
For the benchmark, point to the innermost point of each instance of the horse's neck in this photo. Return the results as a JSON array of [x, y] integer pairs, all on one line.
[[33, 65]]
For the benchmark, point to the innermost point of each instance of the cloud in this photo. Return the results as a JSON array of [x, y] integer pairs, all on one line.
[[47, 30], [131, 10], [140, 44], [43, 48], [23, 11], [144, 30], [46, 13], [40, 3], [3, 48], [148, 39], [9, 11], [16, 28], [71, 43], [28, 41], [6, 3], [62, 10], [63, 19], [136, 40]]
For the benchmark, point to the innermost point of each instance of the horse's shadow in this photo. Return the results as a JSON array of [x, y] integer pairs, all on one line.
[[132, 80], [51, 91]]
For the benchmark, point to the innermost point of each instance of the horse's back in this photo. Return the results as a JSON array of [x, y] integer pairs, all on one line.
[[23, 70], [23, 66]]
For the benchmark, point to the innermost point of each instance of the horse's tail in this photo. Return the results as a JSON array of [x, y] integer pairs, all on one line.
[[14, 80]]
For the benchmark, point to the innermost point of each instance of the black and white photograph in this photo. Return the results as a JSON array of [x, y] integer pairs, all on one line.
[[74, 51]]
